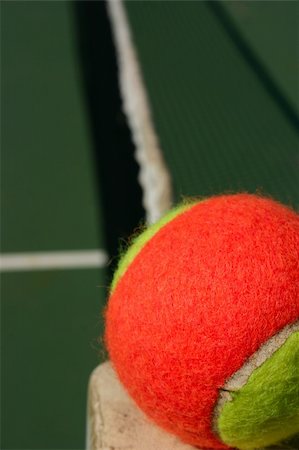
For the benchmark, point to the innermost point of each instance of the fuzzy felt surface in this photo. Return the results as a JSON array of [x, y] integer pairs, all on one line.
[[142, 239], [266, 410], [200, 297]]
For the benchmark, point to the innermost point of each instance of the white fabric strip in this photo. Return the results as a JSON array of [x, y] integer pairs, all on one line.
[[13, 262], [154, 176]]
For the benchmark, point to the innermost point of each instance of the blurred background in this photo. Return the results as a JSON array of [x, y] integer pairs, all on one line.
[[222, 84]]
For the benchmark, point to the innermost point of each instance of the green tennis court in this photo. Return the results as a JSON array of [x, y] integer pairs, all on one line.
[[50, 318]]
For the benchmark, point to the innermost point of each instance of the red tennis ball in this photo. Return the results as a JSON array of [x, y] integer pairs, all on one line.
[[194, 298]]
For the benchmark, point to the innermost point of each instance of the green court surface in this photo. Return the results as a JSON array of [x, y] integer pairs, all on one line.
[[271, 30], [222, 122], [48, 197], [50, 327], [51, 319]]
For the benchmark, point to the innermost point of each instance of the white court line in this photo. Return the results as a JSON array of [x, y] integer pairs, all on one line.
[[13, 262]]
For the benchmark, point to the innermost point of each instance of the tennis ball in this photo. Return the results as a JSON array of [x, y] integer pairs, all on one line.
[[202, 322]]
